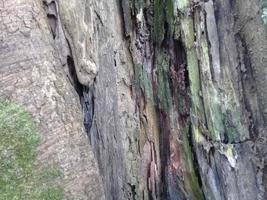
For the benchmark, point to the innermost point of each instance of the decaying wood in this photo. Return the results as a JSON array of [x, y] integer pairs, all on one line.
[[172, 93]]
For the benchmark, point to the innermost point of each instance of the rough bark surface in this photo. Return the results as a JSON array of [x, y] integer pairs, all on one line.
[[172, 93], [183, 110], [33, 75]]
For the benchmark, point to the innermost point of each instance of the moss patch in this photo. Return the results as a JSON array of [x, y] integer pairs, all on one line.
[[163, 88], [20, 177], [158, 32]]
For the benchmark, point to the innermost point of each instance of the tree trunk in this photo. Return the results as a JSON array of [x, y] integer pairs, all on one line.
[[32, 74], [172, 93]]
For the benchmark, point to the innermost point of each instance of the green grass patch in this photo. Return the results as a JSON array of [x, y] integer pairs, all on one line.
[[55, 193], [20, 176]]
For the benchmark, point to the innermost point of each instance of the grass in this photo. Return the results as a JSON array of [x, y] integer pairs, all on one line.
[[20, 176]]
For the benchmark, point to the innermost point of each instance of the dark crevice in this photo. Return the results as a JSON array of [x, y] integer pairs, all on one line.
[[194, 155], [164, 151], [52, 20], [179, 71], [99, 18], [132, 191], [225, 139], [166, 39], [248, 86], [73, 76], [88, 108], [51, 10], [86, 96]]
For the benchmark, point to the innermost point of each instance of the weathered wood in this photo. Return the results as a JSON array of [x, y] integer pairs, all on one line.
[[172, 92]]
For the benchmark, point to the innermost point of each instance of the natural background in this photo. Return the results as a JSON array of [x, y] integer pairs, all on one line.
[[133, 99]]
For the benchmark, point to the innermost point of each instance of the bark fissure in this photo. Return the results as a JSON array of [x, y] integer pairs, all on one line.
[[85, 93], [178, 109], [36, 63]]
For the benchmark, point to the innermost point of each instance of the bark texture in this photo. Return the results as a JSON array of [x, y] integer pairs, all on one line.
[[32, 74], [183, 110], [172, 94]]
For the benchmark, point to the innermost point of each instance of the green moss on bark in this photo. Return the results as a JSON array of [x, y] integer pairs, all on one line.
[[143, 80], [158, 26], [20, 176], [191, 179], [163, 87]]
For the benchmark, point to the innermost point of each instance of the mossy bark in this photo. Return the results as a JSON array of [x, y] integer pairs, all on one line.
[[172, 93], [198, 75]]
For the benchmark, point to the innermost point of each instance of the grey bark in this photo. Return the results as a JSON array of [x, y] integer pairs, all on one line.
[[212, 148], [172, 93], [32, 74]]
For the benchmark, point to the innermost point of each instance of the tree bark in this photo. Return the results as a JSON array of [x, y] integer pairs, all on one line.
[[196, 75], [172, 94], [32, 74]]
